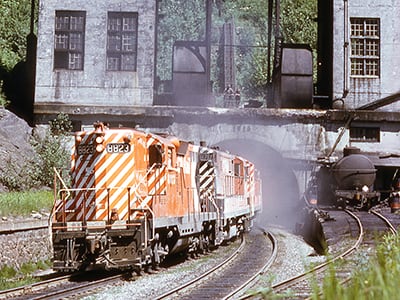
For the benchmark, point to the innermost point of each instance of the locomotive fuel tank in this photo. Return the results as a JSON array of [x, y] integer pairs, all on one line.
[[354, 172]]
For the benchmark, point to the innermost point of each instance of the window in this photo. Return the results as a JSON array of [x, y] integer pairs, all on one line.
[[69, 40], [155, 155], [122, 41], [237, 169], [365, 47], [364, 134]]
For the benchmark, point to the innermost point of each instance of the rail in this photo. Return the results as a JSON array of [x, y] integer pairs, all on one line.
[[285, 284], [388, 223], [247, 284], [247, 264], [204, 275]]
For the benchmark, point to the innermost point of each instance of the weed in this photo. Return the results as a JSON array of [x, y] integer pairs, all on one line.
[[375, 279], [23, 203], [10, 277]]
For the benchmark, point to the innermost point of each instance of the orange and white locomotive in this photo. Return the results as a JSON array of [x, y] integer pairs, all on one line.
[[136, 197]]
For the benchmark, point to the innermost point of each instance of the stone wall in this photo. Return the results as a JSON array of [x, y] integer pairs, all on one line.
[[22, 247]]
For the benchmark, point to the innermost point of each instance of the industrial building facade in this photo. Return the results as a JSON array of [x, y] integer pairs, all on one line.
[[366, 60], [95, 53], [102, 53]]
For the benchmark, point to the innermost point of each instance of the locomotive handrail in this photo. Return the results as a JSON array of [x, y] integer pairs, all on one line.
[[212, 200], [142, 205], [138, 197], [60, 178]]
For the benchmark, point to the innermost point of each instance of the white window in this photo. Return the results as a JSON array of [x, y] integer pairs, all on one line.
[[365, 47], [122, 41], [69, 40]]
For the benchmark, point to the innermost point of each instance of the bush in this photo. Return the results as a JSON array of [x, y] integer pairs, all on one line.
[[375, 278], [51, 150]]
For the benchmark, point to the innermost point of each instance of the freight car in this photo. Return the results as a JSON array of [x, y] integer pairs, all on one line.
[[350, 181], [136, 197]]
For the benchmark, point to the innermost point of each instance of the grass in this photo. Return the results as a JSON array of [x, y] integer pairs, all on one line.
[[23, 203], [11, 278], [375, 278]]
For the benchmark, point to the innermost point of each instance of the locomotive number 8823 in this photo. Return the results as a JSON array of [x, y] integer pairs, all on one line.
[[136, 197]]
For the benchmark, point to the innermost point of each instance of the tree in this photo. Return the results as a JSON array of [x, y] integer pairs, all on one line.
[[14, 28], [297, 25], [15, 18], [185, 20], [178, 20]]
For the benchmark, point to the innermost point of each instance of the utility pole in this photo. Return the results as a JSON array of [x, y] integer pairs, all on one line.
[[30, 67], [208, 44]]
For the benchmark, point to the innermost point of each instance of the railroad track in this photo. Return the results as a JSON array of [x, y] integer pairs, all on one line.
[[22, 226], [299, 287], [80, 286], [63, 287], [19, 292], [235, 274], [386, 220]]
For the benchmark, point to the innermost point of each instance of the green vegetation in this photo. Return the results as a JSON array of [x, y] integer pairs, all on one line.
[[11, 278], [23, 203], [374, 278], [51, 152], [185, 20], [14, 28]]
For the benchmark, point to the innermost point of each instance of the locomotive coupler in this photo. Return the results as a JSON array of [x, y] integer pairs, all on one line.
[[95, 244]]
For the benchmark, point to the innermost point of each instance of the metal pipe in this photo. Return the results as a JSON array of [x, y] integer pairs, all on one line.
[[345, 49], [208, 43], [270, 5]]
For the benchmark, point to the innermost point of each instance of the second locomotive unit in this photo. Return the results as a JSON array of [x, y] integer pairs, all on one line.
[[136, 197]]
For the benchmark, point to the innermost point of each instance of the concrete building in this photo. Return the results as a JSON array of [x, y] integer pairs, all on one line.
[[359, 64], [95, 53]]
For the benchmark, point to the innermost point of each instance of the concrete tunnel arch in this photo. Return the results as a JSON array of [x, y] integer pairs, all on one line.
[[281, 194]]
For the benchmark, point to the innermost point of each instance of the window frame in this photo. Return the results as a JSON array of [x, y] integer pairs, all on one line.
[[365, 55], [365, 133], [122, 35], [69, 40]]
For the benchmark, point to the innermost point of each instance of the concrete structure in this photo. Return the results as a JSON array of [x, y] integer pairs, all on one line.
[[95, 52], [298, 137]]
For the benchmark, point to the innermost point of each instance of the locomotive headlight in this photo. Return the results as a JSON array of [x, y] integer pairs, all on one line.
[[78, 138], [127, 138], [99, 139], [99, 148], [365, 189]]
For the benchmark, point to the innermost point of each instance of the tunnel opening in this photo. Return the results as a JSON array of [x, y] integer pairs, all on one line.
[[281, 194]]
